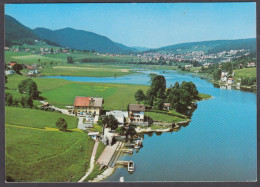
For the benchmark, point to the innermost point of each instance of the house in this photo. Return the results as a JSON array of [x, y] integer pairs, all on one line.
[[88, 105], [136, 112], [9, 72], [33, 71], [188, 66], [11, 64], [224, 73], [223, 78], [166, 106], [45, 105], [121, 116], [230, 80], [251, 64]]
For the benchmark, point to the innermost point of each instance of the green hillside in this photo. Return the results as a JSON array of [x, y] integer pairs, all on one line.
[[82, 40], [16, 33], [210, 46]]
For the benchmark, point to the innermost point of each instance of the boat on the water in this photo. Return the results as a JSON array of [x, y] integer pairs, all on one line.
[[131, 166], [138, 144], [129, 145], [121, 179]]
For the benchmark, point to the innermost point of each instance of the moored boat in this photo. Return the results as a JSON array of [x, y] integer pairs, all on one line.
[[130, 166]]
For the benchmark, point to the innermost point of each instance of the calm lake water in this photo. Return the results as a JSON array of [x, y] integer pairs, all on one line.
[[219, 144]]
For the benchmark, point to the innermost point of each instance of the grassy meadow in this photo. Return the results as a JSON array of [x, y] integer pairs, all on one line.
[[37, 155], [36, 118], [246, 72], [62, 92]]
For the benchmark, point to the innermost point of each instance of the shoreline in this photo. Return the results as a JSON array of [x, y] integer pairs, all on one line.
[[208, 77], [103, 175]]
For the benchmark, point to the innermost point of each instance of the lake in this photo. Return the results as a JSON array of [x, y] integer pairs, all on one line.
[[219, 144]]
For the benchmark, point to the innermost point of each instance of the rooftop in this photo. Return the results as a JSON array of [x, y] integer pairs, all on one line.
[[88, 101], [137, 107]]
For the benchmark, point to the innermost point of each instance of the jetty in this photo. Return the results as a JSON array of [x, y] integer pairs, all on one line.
[[110, 155]]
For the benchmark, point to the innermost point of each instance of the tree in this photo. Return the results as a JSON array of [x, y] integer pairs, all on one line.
[[130, 130], [51, 50], [16, 102], [17, 68], [26, 101], [217, 74], [110, 121], [29, 87], [120, 130], [139, 96], [156, 90], [8, 99], [159, 104], [29, 102], [23, 101], [62, 124], [6, 79], [70, 60]]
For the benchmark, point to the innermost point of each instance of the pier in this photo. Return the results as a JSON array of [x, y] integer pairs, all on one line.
[[110, 155]]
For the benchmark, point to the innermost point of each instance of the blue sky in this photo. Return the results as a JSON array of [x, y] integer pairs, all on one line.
[[147, 24]]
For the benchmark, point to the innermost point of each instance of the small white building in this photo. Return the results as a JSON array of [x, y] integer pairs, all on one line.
[[230, 80], [9, 72], [223, 79], [94, 135], [224, 73], [121, 116], [136, 112], [188, 66]]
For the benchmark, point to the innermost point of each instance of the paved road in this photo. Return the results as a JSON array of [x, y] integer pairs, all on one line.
[[81, 125], [92, 162]]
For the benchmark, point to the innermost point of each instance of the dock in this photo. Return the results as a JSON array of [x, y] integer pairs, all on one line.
[[127, 151], [122, 163], [110, 155]]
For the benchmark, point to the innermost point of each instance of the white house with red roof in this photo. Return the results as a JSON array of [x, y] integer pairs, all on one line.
[[88, 105]]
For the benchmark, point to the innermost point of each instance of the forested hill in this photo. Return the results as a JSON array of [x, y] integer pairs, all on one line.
[[16, 33], [208, 47], [83, 40]]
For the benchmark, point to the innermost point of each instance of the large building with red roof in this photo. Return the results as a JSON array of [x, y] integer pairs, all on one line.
[[88, 105]]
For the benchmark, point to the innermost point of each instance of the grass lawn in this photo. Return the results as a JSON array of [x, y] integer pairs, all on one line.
[[204, 96], [165, 117], [96, 128], [155, 127], [37, 155], [36, 118], [82, 71], [246, 72], [62, 92]]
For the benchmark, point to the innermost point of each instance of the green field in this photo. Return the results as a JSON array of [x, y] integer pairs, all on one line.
[[171, 116], [246, 72], [36, 118], [204, 96], [84, 71], [34, 154], [62, 92]]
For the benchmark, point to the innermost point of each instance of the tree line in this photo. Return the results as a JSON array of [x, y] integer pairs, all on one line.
[[180, 96]]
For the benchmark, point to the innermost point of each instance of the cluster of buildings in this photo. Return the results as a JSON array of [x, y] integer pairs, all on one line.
[[226, 78], [31, 69], [199, 56], [92, 106]]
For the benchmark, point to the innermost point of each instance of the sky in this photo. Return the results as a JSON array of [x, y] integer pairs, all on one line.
[[150, 25]]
